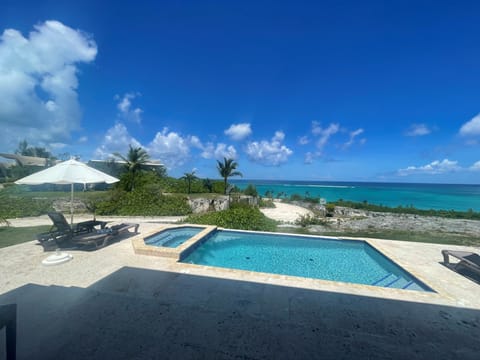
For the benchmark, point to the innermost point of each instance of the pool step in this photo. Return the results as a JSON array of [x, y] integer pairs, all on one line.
[[381, 279], [394, 281], [159, 239]]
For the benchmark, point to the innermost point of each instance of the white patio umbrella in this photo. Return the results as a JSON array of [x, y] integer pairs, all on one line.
[[68, 172]]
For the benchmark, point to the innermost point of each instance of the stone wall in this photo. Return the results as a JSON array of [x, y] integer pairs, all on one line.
[[200, 205]]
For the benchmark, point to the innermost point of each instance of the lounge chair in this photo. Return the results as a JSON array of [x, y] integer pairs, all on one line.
[[468, 260], [100, 238], [61, 231], [94, 239], [61, 224]]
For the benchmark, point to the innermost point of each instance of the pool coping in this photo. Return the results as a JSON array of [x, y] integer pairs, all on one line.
[[178, 252]]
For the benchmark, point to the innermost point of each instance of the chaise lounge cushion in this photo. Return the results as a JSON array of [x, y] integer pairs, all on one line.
[[468, 260]]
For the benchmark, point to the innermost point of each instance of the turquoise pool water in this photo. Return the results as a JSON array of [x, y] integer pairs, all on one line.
[[318, 258], [172, 238]]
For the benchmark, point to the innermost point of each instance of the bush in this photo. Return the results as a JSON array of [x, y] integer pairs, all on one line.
[[330, 209], [147, 201], [239, 216], [296, 197], [266, 203], [250, 190], [307, 219], [17, 206]]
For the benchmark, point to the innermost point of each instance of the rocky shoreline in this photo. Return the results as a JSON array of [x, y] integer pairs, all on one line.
[[347, 219]]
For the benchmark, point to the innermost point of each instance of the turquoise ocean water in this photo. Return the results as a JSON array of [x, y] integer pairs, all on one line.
[[421, 196]]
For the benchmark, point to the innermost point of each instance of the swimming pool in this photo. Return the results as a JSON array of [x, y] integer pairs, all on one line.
[[174, 237], [352, 261]]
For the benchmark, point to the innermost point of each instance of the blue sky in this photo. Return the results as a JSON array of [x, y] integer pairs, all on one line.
[[338, 90]]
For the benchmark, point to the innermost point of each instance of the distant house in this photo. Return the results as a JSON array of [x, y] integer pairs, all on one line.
[[25, 160]]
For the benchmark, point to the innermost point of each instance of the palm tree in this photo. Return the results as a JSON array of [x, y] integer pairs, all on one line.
[[227, 169], [189, 177], [207, 183], [135, 160]]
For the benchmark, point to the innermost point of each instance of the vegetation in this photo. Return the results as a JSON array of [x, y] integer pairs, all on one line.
[[251, 190], [392, 234], [20, 206], [329, 209], [239, 216], [144, 201], [18, 170], [227, 169], [307, 219], [207, 184], [451, 214], [25, 150], [189, 178], [266, 203], [12, 236], [414, 236], [135, 161]]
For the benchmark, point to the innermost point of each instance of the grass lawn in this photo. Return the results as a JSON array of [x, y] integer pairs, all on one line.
[[17, 235], [415, 236]]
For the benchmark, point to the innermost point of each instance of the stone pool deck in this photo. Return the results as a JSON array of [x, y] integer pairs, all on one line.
[[114, 304]]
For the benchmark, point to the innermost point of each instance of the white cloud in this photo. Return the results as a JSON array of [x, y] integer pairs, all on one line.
[[238, 132], [124, 107], [83, 139], [195, 142], [38, 83], [418, 130], [271, 153], [323, 134], [212, 151], [475, 166], [472, 127], [222, 150], [117, 139], [170, 147], [353, 135], [309, 156], [303, 140], [56, 146], [435, 167]]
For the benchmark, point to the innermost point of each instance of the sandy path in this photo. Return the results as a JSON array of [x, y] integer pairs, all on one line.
[[286, 213], [44, 219]]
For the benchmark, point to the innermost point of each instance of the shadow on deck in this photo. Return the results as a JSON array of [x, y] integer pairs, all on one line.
[[137, 313]]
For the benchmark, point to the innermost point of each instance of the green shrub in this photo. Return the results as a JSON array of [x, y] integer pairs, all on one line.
[[239, 216], [250, 190], [330, 209], [307, 219], [148, 201], [266, 203], [296, 197], [18, 206]]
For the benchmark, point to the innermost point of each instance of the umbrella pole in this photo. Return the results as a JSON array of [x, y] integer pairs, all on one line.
[[71, 205]]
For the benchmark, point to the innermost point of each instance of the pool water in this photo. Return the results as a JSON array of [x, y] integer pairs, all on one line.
[[173, 238], [312, 257]]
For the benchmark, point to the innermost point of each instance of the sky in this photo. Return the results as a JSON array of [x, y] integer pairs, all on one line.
[[384, 91]]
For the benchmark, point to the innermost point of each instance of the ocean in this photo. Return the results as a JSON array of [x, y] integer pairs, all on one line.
[[421, 196]]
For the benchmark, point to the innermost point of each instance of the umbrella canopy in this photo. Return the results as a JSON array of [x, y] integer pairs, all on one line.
[[68, 172]]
